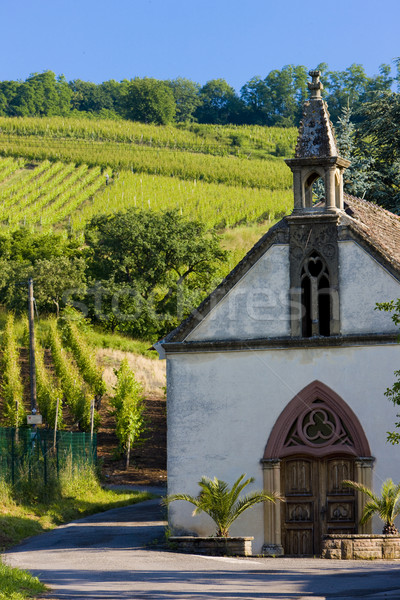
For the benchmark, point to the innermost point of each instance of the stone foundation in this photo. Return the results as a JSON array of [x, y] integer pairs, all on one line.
[[361, 547], [231, 546]]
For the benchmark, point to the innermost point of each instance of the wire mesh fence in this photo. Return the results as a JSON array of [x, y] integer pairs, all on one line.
[[39, 453]]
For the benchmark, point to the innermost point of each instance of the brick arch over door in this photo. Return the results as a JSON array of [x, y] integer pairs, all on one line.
[[317, 422]]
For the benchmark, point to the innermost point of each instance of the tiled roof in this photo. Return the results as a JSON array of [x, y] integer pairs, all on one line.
[[380, 227]]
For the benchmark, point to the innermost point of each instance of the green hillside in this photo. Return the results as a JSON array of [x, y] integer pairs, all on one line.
[[53, 171]]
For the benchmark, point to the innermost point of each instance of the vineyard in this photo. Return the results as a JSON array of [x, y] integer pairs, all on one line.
[[67, 376], [53, 171], [261, 142]]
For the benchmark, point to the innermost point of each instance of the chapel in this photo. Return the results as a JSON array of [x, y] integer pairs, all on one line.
[[281, 372]]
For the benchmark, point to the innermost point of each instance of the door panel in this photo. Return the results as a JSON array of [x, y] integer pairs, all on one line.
[[340, 501], [316, 502], [299, 487], [299, 541]]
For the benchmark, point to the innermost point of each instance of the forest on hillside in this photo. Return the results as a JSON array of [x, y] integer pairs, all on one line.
[[273, 100]]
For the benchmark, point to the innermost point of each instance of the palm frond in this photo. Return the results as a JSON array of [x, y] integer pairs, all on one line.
[[360, 487], [221, 502], [386, 505], [370, 508], [250, 500]]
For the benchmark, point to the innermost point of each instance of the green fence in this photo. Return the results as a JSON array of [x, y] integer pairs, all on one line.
[[27, 451]]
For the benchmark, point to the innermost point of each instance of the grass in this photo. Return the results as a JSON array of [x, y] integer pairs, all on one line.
[[239, 240], [18, 585], [29, 509], [117, 341]]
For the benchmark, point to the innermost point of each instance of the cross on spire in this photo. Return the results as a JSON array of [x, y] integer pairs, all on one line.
[[315, 86]]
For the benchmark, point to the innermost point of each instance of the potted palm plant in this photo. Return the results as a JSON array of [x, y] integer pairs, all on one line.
[[224, 505], [386, 506]]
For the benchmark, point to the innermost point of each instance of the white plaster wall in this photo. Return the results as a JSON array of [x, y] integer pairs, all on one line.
[[256, 307], [364, 282], [222, 407]]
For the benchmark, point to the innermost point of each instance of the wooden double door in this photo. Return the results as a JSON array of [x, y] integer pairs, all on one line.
[[316, 502]]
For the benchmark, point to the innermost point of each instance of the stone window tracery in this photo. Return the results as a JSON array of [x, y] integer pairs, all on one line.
[[315, 297], [318, 427]]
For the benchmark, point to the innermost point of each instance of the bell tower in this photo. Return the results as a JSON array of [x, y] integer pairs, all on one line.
[[313, 226], [317, 156]]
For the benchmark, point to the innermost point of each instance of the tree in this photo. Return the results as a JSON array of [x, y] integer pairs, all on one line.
[[150, 263], [378, 137], [186, 95], [42, 94], [87, 96], [105, 98], [285, 93], [8, 91], [352, 87], [25, 245], [149, 101], [128, 408], [357, 178], [218, 103], [393, 393], [54, 278], [386, 506], [222, 503], [56, 264], [277, 99], [254, 94]]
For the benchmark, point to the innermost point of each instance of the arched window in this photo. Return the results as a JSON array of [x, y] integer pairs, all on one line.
[[315, 297], [314, 189]]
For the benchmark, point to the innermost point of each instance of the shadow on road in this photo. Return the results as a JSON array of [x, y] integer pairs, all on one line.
[[223, 585]]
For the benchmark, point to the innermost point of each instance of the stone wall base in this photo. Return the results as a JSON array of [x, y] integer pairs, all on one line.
[[361, 547], [231, 546], [272, 550]]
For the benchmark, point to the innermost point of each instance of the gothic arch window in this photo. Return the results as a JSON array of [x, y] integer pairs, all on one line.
[[314, 189], [317, 422], [315, 297]]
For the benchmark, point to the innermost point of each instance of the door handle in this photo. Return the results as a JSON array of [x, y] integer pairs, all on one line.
[[323, 511]]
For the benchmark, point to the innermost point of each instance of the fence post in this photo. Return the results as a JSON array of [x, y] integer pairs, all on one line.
[[55, 424], [44, 450], [57, 448], [12, 458], [91, 419]]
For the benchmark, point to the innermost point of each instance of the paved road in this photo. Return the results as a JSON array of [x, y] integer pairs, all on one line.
[[112, 556]]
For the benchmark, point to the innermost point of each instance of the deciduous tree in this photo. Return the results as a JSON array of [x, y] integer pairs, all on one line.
[[150, 101], [218, 103], [153, 263], [187, 98]]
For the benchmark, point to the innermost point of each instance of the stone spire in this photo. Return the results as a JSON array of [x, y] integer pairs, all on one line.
[[317, 155], [316, 134]]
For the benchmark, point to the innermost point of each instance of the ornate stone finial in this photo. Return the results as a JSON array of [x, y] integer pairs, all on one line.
[[315, 86], [317, 155]]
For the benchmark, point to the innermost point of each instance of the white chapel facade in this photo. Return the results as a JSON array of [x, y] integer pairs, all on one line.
[[281, 372]]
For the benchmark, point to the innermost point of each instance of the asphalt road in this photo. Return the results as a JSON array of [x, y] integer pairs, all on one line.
[[114, 556]]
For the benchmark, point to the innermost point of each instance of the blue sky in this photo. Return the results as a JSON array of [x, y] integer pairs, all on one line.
[[200, 40]]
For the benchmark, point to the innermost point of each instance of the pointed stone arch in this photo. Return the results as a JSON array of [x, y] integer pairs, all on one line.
[[315, 407], [317, 425], [310, 176]]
